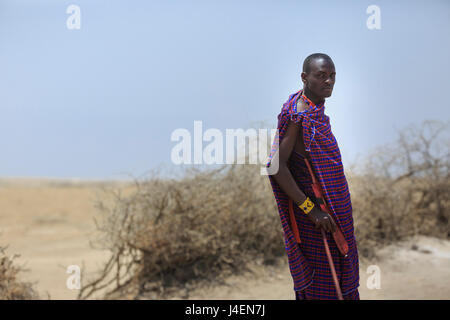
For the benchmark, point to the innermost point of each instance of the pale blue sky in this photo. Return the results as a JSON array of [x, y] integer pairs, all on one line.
[[102, 101]]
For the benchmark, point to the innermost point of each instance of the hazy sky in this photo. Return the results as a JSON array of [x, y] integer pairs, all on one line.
[[102, 101]]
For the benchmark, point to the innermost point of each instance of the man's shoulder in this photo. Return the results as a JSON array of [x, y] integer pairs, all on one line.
[[301, 105]]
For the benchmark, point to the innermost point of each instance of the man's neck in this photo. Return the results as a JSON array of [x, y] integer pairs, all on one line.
[[311, 96]]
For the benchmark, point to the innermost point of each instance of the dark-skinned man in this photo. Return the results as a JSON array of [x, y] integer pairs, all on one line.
[[304, 131]]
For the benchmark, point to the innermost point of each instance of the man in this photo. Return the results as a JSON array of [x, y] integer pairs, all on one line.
[[304, 131]]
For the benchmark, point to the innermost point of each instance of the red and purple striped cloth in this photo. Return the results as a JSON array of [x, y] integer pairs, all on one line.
[[308, 261]]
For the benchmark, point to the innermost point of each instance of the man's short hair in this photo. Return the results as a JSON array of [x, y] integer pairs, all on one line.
[[309, 59]]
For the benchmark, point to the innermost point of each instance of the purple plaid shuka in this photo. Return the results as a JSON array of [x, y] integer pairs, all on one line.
[[308, 261]]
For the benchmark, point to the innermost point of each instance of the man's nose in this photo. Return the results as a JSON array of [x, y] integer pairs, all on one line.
[[329, 81]]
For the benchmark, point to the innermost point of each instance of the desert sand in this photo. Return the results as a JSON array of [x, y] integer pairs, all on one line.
[[50, 223]]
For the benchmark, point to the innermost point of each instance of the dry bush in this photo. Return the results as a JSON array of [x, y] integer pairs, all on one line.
[[402, 188], [172, 233], [11, 288]]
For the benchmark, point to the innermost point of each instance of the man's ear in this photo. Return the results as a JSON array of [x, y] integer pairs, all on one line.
[[303, 75]]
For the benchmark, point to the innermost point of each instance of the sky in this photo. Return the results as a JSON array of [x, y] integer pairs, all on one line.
[[101, 101]]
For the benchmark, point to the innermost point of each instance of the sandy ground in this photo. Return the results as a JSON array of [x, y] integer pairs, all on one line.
[[418, 268], [50, 223]]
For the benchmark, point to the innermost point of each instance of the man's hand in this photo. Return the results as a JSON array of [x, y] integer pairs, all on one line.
[[322, 219]]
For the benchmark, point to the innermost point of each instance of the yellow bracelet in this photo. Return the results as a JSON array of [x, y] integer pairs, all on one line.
[[306, 206]]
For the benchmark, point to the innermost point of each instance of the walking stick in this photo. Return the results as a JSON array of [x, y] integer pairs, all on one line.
[[337, 235], [330, 262]]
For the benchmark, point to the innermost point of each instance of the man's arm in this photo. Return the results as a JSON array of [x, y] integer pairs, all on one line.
[[286, 181], [284, 176]]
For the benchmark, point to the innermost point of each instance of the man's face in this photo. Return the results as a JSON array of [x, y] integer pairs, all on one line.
[[320, 80]]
